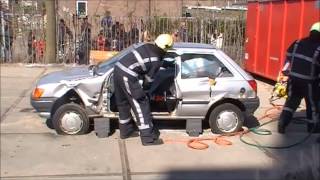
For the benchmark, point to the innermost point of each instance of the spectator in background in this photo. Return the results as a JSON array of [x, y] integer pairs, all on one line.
[[31, 47], [106, 23], [183, 32], [145, 35], [63, 29], [8, 43], [175, 36], [217, 39], [101, 42], [121, 37], [133, 34], [85, 45], [115, 30]]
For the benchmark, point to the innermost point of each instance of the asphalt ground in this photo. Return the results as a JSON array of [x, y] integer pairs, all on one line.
[[30, 150]]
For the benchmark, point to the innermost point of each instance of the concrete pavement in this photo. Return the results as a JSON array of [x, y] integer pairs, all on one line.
[[29, 150]]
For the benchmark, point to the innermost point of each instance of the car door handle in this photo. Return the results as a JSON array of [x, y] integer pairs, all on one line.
[[204, 81]]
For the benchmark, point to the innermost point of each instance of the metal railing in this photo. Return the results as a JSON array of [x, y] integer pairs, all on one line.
[[76, 37], [117, 33]]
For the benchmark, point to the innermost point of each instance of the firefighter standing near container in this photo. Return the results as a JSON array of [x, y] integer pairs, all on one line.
[[142, 62], [303, 68]]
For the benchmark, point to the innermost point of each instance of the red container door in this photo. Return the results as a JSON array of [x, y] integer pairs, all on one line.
[[271, 27], [275, 55], [311, 14], [251, 37], [263, 35]]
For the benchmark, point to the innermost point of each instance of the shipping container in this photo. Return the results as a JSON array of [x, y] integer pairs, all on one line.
[[272, 25]]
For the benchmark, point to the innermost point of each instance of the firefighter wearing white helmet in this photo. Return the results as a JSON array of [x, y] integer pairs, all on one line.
[[164, 41], [141, 63], [302, 66]]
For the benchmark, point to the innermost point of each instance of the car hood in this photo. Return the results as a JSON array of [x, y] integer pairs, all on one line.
[[68, 74]]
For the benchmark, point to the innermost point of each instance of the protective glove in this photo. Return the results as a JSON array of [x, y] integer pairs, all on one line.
[[146, 85], [166, 64]]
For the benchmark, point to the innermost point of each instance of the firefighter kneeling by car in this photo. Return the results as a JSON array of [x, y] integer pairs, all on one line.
[[302, 66], [143, 62]]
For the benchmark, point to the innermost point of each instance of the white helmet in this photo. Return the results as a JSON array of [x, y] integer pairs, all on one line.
[[315, 27], [164, 41]]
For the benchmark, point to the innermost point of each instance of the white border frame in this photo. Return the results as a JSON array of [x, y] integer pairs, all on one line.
[[77, 8]]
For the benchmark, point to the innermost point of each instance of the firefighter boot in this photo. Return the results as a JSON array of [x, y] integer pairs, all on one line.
[[128, 130], [148, 138], [284, 121], [155, 133]]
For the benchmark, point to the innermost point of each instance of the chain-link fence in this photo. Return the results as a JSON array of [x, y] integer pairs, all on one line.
[[77, 37], [22, 33]]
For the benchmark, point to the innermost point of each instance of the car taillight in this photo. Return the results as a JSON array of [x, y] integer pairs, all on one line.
[[253, 85], [37, 93]]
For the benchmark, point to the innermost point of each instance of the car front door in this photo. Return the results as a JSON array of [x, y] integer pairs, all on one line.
[[195, 80]]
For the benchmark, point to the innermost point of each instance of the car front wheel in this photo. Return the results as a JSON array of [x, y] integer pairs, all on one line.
[[226, 118], [71, 119]]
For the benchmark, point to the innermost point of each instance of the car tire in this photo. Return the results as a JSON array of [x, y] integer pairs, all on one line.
[[49, 123], [226, 118], [71, 119]]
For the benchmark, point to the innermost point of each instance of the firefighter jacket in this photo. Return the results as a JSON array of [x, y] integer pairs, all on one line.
[[303, 60], [143, 62]]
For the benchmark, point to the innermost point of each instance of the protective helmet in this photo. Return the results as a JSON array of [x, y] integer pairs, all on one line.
[[164, 41], [315, 27]]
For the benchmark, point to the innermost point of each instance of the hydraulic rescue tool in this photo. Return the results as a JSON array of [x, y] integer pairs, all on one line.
[[280, 88]]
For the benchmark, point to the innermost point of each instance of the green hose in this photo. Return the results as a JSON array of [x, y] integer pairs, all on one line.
[[258, 131]]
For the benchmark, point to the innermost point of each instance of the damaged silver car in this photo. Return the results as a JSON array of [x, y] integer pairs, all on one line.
[[204, 85]]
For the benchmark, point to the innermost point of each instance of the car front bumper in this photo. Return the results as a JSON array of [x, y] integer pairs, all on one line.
[[43, 106], [251, 104]]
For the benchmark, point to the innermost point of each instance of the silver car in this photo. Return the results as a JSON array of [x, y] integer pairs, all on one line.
[[204, 85]]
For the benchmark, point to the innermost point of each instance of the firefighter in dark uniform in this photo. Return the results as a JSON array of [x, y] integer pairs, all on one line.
[[141, 63], [303, 68]]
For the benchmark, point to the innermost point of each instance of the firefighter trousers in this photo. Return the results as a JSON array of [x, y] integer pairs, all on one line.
[[133, 104], [297, 90]]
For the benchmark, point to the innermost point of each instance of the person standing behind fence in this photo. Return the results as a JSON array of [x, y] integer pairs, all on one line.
[[85, 45], [106, 23], [114, 34], [121, 37], [133, 34], [8, 43], [31, 47], [183, 32], [101, 42], [62, 31]]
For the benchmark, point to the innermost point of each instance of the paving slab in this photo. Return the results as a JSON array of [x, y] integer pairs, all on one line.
[[48, 154], [69, 177], [179, 156], [29, 150], [24, 119]]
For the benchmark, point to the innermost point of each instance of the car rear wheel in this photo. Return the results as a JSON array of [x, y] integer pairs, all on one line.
[[226, 118], [71, 119]]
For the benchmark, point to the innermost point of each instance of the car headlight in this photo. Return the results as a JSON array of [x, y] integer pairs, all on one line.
[[37, 93]]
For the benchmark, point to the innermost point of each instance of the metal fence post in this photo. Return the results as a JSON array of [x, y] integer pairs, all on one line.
[[51, 32], [2, 37]]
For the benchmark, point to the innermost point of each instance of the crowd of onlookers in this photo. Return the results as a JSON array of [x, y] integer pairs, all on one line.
[[113, 35]]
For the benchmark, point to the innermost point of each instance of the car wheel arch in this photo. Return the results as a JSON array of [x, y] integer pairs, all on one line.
[[68, 97], [223, 101]]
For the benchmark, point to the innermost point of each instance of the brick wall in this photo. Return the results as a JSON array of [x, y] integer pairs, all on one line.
[[126, 8]]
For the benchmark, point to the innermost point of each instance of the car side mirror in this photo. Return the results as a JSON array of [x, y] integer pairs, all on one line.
[[220, 71]]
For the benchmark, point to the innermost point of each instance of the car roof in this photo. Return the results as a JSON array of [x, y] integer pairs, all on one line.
[[180, 45]]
